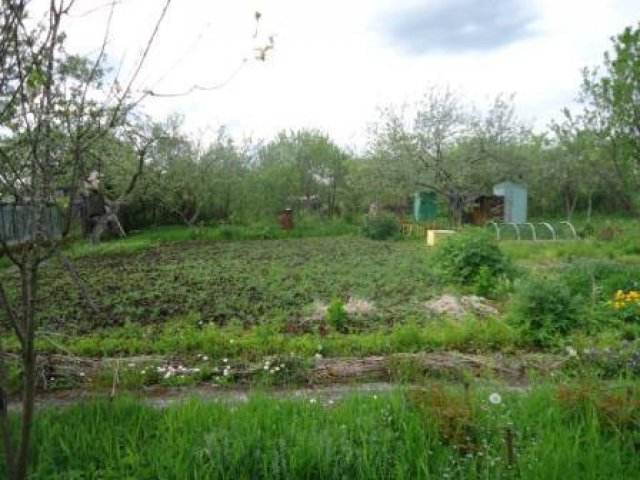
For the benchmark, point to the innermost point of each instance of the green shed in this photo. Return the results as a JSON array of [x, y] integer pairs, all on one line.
[[425, 205], [515, 201]]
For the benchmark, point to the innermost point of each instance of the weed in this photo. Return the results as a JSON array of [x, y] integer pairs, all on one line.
[[464, 257], [337, 315], [543, 309]]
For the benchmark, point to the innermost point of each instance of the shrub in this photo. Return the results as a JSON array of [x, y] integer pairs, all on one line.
[[471, 257], [484, 282], [337, 315], [544, 310], [381, 227]]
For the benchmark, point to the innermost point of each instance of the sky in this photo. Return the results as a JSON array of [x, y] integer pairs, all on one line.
[[335, 62]]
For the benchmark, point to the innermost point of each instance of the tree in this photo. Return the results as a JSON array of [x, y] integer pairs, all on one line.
[[611, 108], [304, 168], [449, 147], [51, 125], [576, 168]]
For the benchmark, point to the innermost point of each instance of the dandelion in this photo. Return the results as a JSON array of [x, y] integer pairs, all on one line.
[[495, 398]]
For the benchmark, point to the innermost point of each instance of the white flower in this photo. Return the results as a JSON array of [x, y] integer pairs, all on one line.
[[495, 398], [225, 360], [266, 366], [81, 374], [205, 358], [226, 372], [312, 401], [572, 352], [143, 372], [318, 356], [277, 369]]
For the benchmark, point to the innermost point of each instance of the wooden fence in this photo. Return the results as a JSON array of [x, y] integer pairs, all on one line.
[[16, 223]]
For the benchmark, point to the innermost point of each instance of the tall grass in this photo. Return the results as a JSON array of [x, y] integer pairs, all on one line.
[[305, 226], [432, 433]]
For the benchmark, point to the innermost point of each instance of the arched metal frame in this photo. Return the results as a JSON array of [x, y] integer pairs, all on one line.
[[497, 227], [515, 226], [573, 230], [551, 229], [533, 230]]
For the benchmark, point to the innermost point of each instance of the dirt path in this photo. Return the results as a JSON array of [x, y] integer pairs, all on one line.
[[162, 397]]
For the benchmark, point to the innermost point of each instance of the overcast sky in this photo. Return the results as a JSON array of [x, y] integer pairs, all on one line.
[[335, 61]]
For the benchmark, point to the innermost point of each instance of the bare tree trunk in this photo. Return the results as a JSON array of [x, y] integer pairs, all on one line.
[[570, 200], [4, 416], [29, 289]]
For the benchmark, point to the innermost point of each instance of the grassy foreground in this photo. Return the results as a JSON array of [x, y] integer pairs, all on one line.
[[568, 432]]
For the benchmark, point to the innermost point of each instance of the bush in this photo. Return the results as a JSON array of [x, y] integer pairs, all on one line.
[[337, 315], [471, 257], [381, 227], [544, 310]]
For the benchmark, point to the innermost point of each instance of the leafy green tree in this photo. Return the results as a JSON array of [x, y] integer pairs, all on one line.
[[304, 169], [611, 103], [449, 147], [51, 126]]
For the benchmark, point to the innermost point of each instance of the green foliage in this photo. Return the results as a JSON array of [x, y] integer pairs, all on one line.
[[485, 282], [598, 280], [381, 227], [438, 432], [472, 256], [544, 310], [337, 316]]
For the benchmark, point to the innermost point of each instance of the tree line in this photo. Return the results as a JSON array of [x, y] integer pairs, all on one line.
[[588, 160]]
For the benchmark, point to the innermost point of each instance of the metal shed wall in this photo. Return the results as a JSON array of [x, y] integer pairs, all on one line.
[[425, 205], [515, 201]]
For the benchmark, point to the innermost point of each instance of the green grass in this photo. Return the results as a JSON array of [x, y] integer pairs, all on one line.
[[183, 338], [572, 432]]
